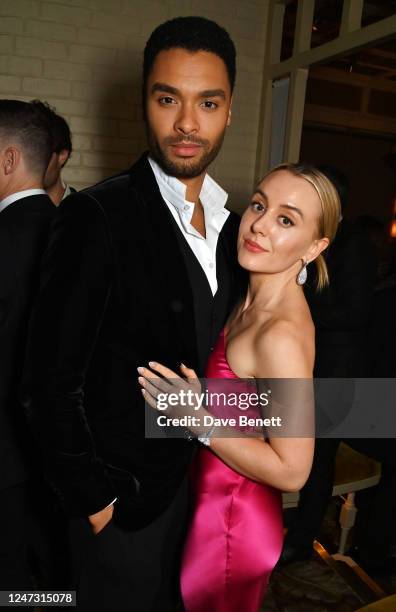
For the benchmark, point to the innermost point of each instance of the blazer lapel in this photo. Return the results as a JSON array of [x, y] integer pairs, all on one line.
[[171, 280]]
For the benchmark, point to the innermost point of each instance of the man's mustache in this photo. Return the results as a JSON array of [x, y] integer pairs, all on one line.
[[171, 140]]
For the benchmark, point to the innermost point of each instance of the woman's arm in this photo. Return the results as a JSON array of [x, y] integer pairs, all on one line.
[[283, 462]]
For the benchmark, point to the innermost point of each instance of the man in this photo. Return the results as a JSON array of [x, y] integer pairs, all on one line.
[[54, 185], [25, 216], [140, 267]]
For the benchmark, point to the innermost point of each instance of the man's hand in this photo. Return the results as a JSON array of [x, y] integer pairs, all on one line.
[[100, 519]]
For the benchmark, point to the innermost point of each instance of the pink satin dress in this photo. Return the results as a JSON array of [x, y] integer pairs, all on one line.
[[236, 532]]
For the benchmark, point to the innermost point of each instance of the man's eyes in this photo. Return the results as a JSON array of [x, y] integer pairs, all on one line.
[[167, 100], [207, 104]]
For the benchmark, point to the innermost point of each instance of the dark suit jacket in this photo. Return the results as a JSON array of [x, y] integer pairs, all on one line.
[[115, 293], [382, 334], [341, 311], [24, 227], [341, 314]]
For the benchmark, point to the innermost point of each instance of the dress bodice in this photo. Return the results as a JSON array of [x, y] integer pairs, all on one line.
[[218, 366], [230, 395]]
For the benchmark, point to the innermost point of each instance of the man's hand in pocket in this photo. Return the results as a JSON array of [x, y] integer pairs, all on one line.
[[100, 519]]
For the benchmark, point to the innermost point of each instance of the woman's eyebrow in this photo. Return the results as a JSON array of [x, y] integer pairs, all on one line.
[[262, 193], [289, 206]]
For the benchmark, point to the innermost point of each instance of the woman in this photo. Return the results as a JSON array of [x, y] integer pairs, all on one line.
[[235, 536]]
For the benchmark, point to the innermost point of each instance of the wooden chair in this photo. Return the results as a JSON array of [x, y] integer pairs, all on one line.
[[353, 472], [388, 604]]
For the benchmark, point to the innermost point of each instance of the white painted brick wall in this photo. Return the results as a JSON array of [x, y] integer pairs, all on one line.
[[84, 57]]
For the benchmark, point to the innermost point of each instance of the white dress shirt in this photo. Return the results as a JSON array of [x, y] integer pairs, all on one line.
[[14, 197], [67, 191], [213, 199]]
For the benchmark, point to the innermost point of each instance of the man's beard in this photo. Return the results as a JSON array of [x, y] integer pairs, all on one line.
[[187, 168]]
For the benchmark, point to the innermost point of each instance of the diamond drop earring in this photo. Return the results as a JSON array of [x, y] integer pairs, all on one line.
[[302, 275]]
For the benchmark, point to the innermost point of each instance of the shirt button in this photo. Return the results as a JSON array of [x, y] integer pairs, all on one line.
[[211, 265], [186, 207]]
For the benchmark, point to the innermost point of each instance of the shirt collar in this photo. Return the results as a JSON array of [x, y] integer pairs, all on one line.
[[67, 191], [14, 197], [212, 196]]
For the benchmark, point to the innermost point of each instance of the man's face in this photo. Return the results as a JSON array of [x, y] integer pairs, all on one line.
[[188, 101]]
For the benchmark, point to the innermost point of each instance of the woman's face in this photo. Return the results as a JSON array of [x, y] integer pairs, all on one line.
[[280, 226]]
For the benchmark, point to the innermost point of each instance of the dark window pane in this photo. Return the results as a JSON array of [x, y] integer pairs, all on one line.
[[382, 103], [337, 95]]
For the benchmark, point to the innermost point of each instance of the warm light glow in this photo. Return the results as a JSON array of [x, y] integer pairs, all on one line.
[[393, 223]]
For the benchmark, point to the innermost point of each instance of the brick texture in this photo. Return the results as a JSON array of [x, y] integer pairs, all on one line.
[[84, 57]]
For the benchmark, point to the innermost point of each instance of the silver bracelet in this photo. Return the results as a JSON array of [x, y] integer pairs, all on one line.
[[204, 438]]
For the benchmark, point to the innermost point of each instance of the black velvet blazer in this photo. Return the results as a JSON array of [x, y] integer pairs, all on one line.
[[24, 228], [115, 293]]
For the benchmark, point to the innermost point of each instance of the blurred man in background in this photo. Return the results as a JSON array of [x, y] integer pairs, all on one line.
[[341, 314], [54, 184], [25, 216]]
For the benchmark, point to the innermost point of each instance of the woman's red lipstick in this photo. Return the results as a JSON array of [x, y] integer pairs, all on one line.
[[254, 247]]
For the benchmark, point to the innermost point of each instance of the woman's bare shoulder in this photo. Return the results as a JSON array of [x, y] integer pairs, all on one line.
[[284, 349]]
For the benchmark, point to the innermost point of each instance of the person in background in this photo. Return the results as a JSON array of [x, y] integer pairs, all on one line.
[[25, 216], [54, 184], [374, 231], [381, 342], [141, 264], [341, 314]]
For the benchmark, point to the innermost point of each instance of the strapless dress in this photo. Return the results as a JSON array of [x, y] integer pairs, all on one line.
[[236, 532]]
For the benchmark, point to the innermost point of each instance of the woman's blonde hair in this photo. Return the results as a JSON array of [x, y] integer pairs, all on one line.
[[330, 209]]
